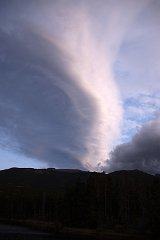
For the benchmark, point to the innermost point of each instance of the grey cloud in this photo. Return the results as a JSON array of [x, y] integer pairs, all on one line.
[[137, 68], [142, 153], [36, 99]]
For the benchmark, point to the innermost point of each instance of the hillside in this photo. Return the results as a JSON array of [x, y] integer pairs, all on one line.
[[48, 179], [75, 198]]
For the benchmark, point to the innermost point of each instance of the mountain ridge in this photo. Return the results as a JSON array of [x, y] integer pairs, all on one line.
[[81, 199]]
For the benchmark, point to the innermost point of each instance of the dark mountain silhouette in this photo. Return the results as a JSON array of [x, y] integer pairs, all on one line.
[[60, 179], [42, 179], [75, 198]]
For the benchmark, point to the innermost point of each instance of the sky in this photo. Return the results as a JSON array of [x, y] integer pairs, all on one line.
[[80, 84]]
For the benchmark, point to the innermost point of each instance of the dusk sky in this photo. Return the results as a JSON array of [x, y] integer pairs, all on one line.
[[80, 84]]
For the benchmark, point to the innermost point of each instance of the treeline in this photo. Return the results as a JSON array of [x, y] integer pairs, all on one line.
[[129, 199]]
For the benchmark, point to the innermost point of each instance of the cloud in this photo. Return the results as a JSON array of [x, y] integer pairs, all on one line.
[[137, 64], [139, 109], [36, 108], [58, 101], [142, 152]]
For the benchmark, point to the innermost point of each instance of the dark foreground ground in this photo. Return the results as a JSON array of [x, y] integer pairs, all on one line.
[[12, 232], [39, 231], [74, 204]]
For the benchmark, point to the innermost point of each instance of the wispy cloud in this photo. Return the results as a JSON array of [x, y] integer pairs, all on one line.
[[59, 99], [137, 65]]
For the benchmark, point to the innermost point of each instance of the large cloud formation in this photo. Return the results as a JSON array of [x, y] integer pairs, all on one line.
[[58, 101], [142, 152]]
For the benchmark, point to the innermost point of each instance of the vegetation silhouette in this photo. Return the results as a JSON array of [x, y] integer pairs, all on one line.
[[122, 201]]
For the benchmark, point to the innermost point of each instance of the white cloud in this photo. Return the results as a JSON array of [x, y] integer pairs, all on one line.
[[139, 109]]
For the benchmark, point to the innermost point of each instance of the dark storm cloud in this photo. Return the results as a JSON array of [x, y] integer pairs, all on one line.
[[142, 153], [36, 102]]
